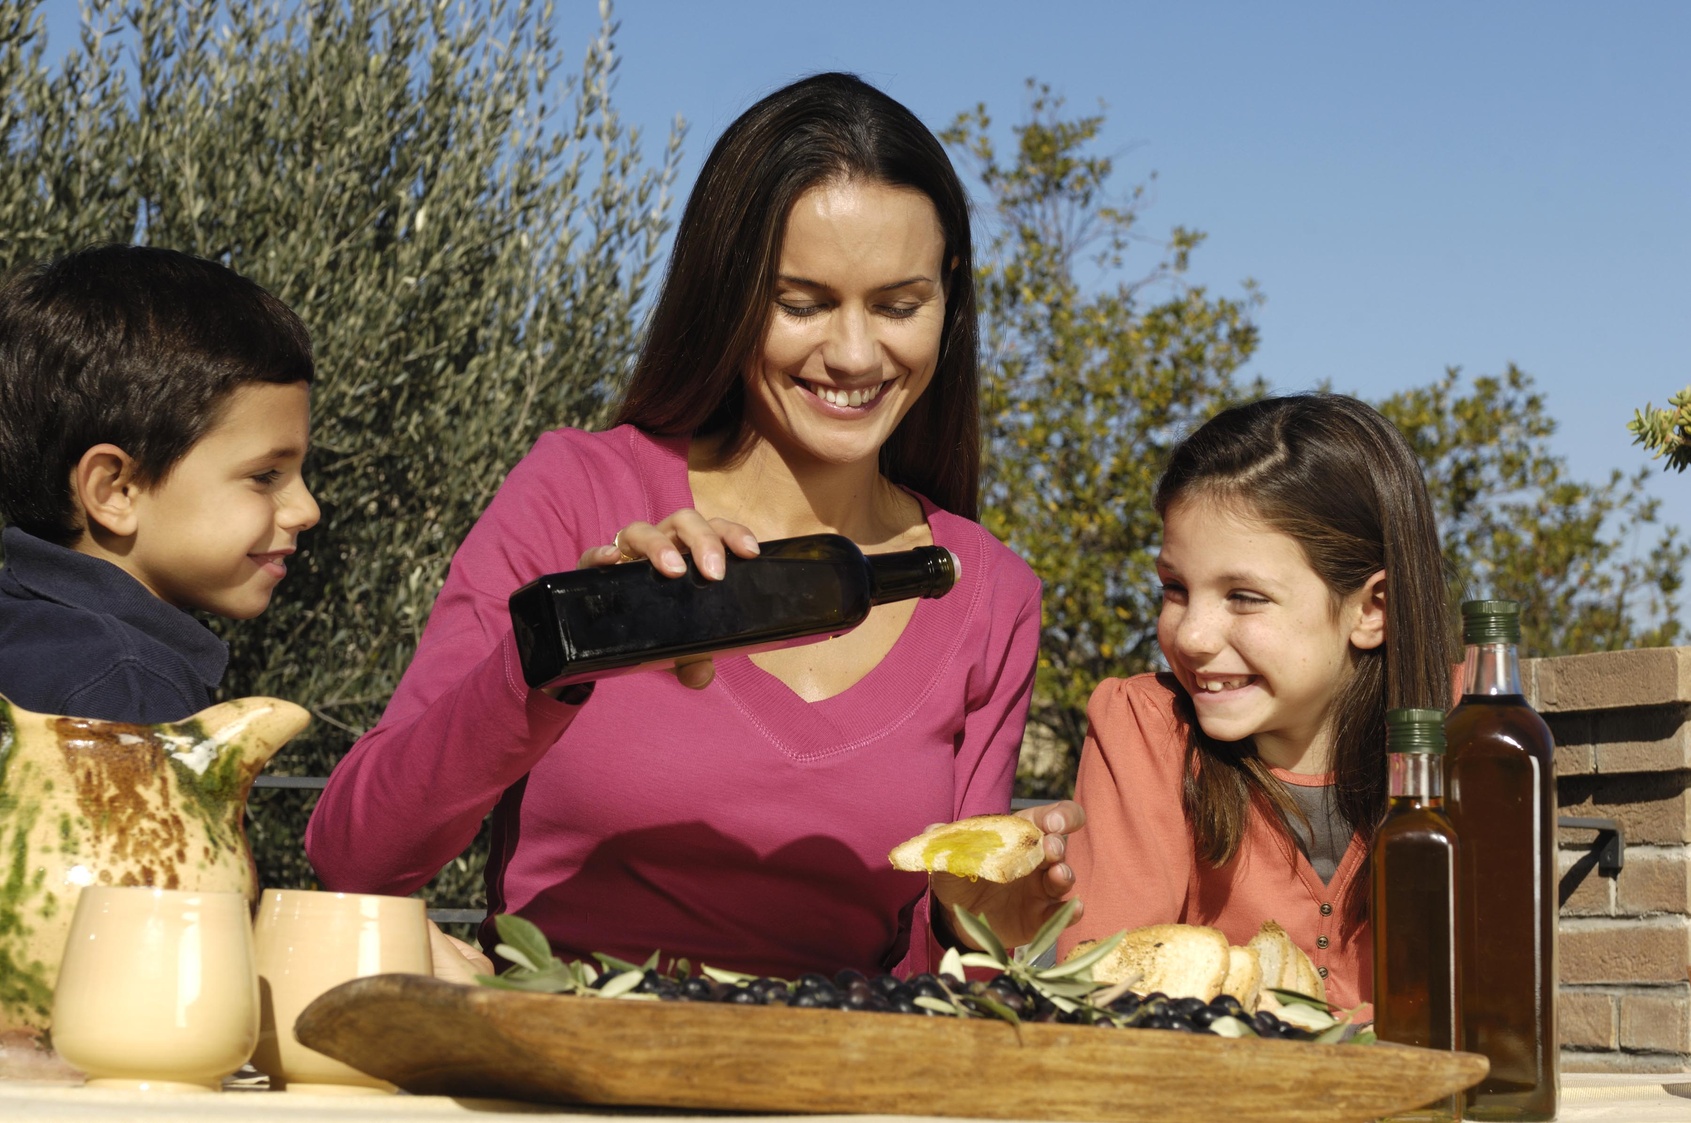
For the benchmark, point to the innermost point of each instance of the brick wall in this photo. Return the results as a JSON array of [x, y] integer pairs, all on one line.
[[1622, 722]]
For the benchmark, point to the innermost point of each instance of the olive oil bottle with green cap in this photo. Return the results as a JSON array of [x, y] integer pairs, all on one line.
[[1414, 903], [1500, 784]]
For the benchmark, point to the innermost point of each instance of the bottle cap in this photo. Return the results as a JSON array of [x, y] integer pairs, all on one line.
[[1491, 621], [1414, 731]]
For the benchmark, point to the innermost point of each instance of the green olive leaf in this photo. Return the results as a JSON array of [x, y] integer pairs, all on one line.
[[1306, 1017], [612, 963], [1298, 998], [1084, 961], [1229, 1026], [940, 1004], [722, 975], [951, 963], [523, 943], [1048, 932], [621, 984], [981, 933]]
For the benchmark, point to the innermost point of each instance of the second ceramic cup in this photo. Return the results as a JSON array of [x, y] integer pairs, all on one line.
[[308, 942]]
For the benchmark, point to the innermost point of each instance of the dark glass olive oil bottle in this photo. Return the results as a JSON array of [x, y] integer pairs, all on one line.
[[1500, 780], [598, 622], [1415, 906]]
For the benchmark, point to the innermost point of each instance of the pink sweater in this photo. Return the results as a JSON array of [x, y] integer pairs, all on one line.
[[1135, 863], [739, 825]]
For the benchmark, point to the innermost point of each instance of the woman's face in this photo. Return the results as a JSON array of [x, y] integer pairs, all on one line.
[[854, 334]]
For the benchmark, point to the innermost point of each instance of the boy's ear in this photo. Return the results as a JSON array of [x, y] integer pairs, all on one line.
[[1369, 631], [103, 482]]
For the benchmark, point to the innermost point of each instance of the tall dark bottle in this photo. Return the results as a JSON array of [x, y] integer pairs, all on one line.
[[595, 623], [1500, 780], [1414, 905]]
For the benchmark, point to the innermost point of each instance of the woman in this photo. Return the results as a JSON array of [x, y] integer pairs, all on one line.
[[810, 366]]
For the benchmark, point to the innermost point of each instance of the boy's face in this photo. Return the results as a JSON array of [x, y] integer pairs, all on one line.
[[215, 534]]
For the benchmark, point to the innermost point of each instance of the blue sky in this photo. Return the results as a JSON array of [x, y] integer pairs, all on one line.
[[1412, 185]]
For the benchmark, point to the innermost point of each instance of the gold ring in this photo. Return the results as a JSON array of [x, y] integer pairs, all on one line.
[[622, 551]]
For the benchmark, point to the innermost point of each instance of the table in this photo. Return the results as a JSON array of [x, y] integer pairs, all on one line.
[[1586, 1098]]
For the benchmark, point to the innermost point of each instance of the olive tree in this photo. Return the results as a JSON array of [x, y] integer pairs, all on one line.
[[1095, 365], [466, 228]]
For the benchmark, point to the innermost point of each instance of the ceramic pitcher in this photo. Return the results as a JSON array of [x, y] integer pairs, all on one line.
[[86, 802]]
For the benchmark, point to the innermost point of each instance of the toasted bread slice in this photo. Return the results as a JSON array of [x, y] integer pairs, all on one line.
[[1244, 977], [1284, 965], [1180, 960], [997, 848]]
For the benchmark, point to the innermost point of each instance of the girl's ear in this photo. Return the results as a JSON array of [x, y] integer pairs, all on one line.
[[1369, 631], [103, 484]]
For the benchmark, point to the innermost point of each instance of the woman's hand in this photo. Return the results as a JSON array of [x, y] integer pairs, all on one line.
[[1017, 911], [686, 531]]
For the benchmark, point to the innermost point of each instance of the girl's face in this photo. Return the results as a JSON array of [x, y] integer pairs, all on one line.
[[854, 335], [1253, 634]]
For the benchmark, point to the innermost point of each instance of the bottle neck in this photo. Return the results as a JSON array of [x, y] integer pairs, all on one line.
[[1491, 668], [926, 571], [1415, 775]]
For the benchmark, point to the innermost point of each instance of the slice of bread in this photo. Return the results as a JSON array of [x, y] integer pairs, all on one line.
[[1180, 960], [997, 848], [1284, 965], [1244, 977]]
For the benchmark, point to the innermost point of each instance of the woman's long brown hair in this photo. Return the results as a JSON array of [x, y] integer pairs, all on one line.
[[716, 300], [1339, 479]]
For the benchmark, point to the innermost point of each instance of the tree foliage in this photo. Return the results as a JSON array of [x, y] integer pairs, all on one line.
[[1086, 388], [1514, 526], [1093, 371], [1665, 433], [466, 251]]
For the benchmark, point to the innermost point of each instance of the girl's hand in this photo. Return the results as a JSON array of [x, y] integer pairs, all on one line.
[[1017, 911], [686, 531]]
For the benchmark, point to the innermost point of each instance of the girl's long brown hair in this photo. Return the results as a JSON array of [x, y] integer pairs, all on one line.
[[716, 299], [1338, 478]]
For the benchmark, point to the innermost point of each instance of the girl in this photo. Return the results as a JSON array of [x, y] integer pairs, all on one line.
[[809, 365], [1303, 596]]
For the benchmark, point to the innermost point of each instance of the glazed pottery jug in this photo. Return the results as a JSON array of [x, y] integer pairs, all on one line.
[[87, 802]]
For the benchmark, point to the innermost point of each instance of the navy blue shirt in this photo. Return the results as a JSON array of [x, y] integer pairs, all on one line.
[[80, 637]]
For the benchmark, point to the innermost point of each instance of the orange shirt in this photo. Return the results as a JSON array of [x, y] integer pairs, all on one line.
[[1135, 864]]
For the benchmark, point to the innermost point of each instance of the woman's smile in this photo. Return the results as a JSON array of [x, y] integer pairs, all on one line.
[[853, 401]]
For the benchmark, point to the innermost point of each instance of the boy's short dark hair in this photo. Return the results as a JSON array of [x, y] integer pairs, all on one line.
[[131, 345]]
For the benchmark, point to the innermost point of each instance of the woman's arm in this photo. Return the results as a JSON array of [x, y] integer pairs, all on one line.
[[462, 725]]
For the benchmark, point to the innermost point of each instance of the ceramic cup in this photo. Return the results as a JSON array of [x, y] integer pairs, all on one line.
[[157, 989], [309, 942]]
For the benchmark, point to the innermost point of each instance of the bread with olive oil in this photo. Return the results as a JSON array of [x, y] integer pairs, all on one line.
[[999, 848]]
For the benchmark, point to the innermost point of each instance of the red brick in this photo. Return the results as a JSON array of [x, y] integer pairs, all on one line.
[[1578, 1060], [1655, 950], [1650, 807], [1648, 739], [1586, 1020], [1594, 894], [1651, 676], [1654, 880], [1657, 1023]]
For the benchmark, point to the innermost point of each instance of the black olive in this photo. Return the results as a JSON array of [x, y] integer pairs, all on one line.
[[1186, 1007], [848, 978], [1227, 1004]]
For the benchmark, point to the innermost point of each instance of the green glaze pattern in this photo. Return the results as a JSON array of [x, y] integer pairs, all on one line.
[[85, 802]]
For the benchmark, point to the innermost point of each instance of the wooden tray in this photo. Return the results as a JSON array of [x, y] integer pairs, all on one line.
[[433, 1037]]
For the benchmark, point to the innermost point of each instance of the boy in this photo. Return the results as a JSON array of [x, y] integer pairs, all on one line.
[[154, 414]]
